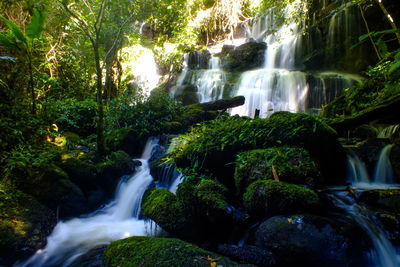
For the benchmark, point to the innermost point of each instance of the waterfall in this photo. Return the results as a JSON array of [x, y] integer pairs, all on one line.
[[383, 171], [282, 84], [210, 84], [383, 254], [119, 219], [356, 170]]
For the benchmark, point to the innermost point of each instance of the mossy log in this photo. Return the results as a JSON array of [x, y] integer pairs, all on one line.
[[222, 103], [385, 112]]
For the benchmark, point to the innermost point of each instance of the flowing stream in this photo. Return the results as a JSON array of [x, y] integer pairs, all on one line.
[[119, 219], [383, 254]]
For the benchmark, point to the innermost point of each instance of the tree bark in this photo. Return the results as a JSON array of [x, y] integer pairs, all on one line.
[[99, 94], [31, 85]]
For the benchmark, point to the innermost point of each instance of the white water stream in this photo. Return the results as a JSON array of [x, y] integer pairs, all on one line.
[[119, 219]]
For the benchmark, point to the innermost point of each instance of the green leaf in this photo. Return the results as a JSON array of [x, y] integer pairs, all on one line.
[[7, 42], [16, 30], [36, 26], [394, 67]]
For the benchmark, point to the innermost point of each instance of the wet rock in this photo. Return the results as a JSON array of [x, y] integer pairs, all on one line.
[[307, 240], [386, 199], [244, 57], [248, 254], [395, 159], [125, 139]]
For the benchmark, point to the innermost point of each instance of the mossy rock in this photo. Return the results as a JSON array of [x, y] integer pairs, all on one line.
[[53, 188], [385, 199], [155, 251], [291, 164], [126, 139], [81, 173], [162, 206], [24, 224], [268, 197], [216, 143], [119, 163], [244, 57]]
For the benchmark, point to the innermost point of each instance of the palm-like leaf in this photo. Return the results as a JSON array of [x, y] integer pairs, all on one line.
[[36, 26], [15, 29]]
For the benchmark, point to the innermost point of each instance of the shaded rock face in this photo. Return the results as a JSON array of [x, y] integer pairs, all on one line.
[[306, 240], [198, 60], [244, 57], [385, 199], [249, 254], [395, 158]]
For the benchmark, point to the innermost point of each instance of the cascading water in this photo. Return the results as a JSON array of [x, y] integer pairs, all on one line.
[[383, 254], [383, 171], [281, 84], [119, 219], [383, 175]]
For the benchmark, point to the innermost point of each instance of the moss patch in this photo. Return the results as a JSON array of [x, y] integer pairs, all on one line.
[[153, 251], [162, 206], [267, 197], [292, 164], [24, 222]]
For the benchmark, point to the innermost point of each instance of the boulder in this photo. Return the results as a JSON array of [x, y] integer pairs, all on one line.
[[385, 199], [125, 139], [244, 57], [248, 254], [308, 240], [162, 206], [24, 224], [117, 164], [291, 164], [265, 198], [395, 159], [156, 251]]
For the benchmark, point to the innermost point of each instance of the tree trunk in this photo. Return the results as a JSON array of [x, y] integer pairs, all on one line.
[[31, 85], [100, 121]]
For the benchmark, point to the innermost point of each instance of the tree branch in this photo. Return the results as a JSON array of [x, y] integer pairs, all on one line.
[[116, 38], [84, 27], [100, 16]]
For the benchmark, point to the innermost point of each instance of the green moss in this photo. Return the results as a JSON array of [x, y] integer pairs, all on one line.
[[215, 144], [24, 222], [118, 163], [292, 165], [153, 251], [267, 197], [125, 139], [162, 206], [80, 172]]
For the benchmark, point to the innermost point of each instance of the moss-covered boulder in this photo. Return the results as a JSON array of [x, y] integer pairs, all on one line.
[[126, 139], [162, 206], [80, 172], [311, 240], [199, 209], [290, 164], [155, 251], [119, 163], [24, 224], [215, 144], [268, 197], [385, 199], [244, 57], [53, 188]]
